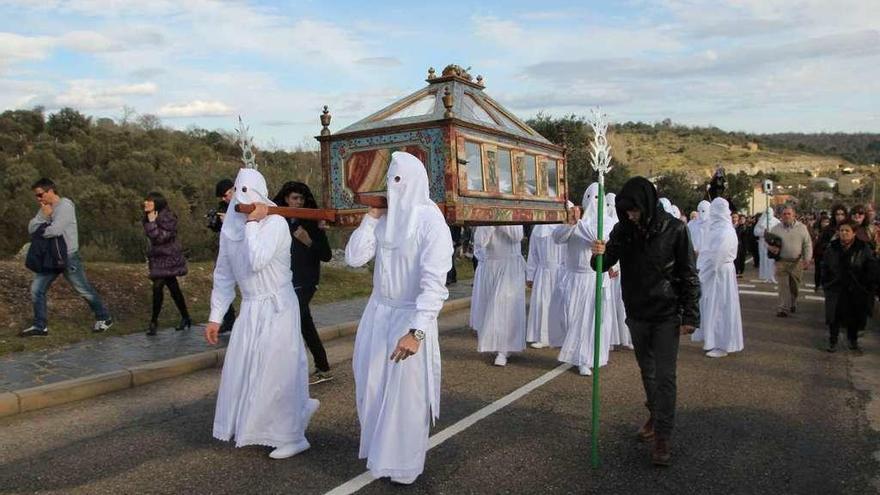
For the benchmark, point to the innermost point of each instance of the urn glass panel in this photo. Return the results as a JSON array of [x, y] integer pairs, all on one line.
[[474, 166], [552, 178], [505, 173], [531, 175]]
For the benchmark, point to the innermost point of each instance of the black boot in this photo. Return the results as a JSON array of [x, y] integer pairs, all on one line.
[[832, 346], [185, 324], [154, 325]]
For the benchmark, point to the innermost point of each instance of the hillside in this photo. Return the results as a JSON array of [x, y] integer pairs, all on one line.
[[107, 167]]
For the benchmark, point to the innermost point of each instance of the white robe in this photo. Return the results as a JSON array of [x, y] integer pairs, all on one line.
[[766, 265], [397, 401], [498, 305], [264, 391], [619, 330], [544, 268], [720, 315], [579, 296]]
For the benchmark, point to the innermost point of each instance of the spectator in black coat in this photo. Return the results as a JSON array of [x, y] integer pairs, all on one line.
[[850, 277], [309, 248], [165, 258], [223, 191]]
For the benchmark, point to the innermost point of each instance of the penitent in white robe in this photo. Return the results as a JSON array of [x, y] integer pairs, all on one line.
[[498, 306], [579, 292], [544, 268], [620, 335], [264, 391], [397, 401], [766, 265], [720, 316]]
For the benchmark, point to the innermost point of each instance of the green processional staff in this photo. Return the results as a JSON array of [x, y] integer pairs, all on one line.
[[601, 162]]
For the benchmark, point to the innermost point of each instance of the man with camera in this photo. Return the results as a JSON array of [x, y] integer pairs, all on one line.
[[792, 257]]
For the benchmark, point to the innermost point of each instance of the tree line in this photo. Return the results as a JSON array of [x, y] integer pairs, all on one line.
[[108, 167]]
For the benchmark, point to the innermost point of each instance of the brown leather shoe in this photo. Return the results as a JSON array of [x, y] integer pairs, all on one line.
[[661, 455], [646, 432]]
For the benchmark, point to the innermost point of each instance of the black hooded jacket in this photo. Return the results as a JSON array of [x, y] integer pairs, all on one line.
[[657, 261]]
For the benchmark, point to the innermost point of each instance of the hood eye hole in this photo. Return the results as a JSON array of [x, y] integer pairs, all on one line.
[[244, 189], [396, 178]]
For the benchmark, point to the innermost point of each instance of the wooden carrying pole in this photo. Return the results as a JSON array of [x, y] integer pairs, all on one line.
[[288, 212]]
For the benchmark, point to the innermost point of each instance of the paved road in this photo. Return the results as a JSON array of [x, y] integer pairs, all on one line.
[[29, 369], [781, 417]]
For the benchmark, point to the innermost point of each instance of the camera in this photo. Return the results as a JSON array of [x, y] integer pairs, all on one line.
[[214, 221]]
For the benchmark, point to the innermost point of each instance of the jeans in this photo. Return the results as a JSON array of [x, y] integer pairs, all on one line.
[[309, 332], [656, 349], [76, 276]]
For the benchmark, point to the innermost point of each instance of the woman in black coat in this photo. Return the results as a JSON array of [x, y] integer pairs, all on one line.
[[165, 258], [850, 277], [308, 249]]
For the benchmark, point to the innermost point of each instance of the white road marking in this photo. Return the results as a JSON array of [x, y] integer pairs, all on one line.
[[366, 478], [747, 286], [773, 294]]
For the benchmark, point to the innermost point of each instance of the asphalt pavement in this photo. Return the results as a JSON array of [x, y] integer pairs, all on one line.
[[781, 417]]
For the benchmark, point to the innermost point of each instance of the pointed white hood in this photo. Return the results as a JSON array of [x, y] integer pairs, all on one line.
[[250, 187], [408, 196]]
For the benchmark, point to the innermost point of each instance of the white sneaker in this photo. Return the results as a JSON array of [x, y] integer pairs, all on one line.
[[537, 345], [289, 450], [501, 359], [584, 370], [716, 353]]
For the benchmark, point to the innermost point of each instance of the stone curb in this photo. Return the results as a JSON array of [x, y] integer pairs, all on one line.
[[54, 394]]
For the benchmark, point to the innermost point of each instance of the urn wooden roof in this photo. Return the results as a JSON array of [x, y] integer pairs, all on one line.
[[452, 95]]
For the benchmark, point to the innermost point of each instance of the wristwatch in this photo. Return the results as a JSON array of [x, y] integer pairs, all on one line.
[[418, 334]]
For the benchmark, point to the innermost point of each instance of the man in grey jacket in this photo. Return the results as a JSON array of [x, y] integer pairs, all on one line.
[[60, 214], [794, 256]]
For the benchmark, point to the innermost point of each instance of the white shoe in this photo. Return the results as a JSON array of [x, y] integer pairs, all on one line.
[[404, 481], [584, 370], [289, 450], [501, 359], [537, 345], [716, 353]]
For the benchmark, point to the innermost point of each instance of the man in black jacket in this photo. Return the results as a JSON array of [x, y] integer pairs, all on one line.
[[661, 293]]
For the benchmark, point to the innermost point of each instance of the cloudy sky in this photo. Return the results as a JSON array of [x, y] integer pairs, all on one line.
[[753, 65]]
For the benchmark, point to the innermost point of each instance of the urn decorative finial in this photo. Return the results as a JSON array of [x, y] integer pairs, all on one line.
[[447, 102], [325, 122], [431, 73]]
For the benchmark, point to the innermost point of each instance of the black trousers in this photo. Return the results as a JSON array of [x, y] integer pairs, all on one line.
[[656, 349], [817, 272], [228, 320], [852, 333], [739, 262], [159, 285], [309, 332]]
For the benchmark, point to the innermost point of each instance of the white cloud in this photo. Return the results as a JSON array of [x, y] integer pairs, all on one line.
[[195, 108], [88, 94], [15, 48]]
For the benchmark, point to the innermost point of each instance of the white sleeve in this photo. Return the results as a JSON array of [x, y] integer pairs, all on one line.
[[263, 240], [361, 247], [435, 260], [532, 261], [562, 233], [223, 292]]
